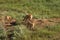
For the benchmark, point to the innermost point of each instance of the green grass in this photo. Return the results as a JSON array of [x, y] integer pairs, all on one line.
[[39, 9]]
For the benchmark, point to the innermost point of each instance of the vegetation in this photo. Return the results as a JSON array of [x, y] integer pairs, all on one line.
[[39, 9]]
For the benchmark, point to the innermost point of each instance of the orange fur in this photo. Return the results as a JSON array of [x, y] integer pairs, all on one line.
[[9, 21], [30, 21]]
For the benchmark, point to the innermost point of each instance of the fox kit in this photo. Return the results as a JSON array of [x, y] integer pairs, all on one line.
[[30, 21]]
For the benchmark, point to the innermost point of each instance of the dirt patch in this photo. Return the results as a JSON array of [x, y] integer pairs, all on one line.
[[55, 19], [50, 22]]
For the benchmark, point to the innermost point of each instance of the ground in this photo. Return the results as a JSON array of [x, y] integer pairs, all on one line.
[[40, 9]]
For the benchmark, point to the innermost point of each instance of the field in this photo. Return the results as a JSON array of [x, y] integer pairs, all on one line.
[[39, 9]]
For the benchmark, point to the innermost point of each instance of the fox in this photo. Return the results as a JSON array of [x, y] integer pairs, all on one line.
[[31, 22]]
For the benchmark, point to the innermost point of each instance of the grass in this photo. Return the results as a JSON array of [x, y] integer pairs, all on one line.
[[39, 9]]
